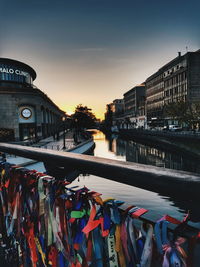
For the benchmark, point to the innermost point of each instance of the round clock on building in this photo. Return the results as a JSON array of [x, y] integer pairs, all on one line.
[[26, 113]]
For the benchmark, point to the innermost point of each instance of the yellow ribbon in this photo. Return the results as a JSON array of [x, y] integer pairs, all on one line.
[[40, 251], [118, 246]]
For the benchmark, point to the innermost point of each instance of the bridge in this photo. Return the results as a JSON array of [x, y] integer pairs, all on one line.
[[165, 181], [169, 182]]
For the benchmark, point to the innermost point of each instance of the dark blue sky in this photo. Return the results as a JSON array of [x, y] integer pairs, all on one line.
[[93, 51]]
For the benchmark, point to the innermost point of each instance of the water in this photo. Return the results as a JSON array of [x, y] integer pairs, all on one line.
[[140, 153], [122, 150]]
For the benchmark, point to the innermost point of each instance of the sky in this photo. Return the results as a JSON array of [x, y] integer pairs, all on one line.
[[91, 52]]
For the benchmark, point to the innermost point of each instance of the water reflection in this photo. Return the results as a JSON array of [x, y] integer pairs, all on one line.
[[140, 153], [126, 150], [122, 150]]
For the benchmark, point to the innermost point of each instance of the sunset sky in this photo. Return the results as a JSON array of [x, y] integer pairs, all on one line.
[[93, 51]]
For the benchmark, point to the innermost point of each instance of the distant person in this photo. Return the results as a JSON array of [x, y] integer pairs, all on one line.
[[75, 138], [2, 156], [58, 137]]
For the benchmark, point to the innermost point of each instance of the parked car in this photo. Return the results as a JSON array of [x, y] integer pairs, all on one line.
[[175, 128], [165, 128], [172, 128]]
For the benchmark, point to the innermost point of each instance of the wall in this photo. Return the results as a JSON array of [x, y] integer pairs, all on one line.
[[9, 111]]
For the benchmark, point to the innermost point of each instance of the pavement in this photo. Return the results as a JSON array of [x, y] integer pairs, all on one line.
[[48, 143], [51, 143]]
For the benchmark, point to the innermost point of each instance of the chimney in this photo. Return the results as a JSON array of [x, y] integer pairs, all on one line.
[[179, 54]]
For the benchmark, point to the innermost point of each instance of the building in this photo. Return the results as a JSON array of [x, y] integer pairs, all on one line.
[[177, 80], [134, 105], [141, 112], [118, 107], [24, 109], [109, 116], [114, 115], [117, 112]]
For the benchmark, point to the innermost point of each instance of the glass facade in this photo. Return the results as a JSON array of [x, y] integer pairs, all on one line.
[[14, 74]]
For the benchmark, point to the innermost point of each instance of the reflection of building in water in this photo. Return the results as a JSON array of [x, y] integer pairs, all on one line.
[[136, 152], [120, 147], [117, 146], [114, 145], [110, 144], [140, 153], [155, 157], [147, 155]]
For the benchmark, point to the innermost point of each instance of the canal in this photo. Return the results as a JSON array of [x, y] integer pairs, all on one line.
[[126, 150]]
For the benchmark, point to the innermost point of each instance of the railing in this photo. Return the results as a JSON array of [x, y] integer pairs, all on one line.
[[68, 143], [165, 181], [170, 182], [182, 134], [24, 216]]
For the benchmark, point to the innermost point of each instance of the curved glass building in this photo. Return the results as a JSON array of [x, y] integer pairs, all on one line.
[[24, 109]]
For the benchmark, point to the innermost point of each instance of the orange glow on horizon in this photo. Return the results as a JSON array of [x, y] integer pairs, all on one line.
[[70, 110], [99, 115]]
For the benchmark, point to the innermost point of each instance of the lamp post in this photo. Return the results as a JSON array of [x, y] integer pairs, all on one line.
[[75, 131], [63, 119]]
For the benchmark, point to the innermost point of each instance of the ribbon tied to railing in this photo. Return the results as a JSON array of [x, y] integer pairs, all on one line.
[[46, 222]]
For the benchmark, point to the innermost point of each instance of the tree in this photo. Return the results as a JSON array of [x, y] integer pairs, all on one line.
[[108, 116], [184, 112], [83, 117]]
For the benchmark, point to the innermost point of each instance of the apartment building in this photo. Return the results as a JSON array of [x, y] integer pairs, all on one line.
[[134, 104], [177, 80]]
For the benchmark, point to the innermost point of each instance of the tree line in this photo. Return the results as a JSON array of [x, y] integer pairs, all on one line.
[[185, 112]]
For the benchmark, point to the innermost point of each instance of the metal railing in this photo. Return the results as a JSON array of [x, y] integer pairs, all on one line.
[[167, 134], [69, 145]]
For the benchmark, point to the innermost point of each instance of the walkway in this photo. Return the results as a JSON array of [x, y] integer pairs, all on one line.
[[48, 143]]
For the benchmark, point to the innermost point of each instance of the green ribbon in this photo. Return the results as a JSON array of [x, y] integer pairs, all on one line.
[[79, 214]]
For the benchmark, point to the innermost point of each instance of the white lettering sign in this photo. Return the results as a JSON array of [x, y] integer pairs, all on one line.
[[12, 71]]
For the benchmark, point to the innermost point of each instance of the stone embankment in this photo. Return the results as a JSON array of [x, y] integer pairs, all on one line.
[[184, 142]]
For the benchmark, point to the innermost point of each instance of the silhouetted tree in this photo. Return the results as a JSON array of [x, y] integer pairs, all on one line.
[[83, 117]]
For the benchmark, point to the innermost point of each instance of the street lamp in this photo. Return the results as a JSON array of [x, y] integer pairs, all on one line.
[[63, 119], [76, 130]]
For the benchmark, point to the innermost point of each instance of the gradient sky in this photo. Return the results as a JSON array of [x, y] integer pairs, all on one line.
[[93, 51]]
